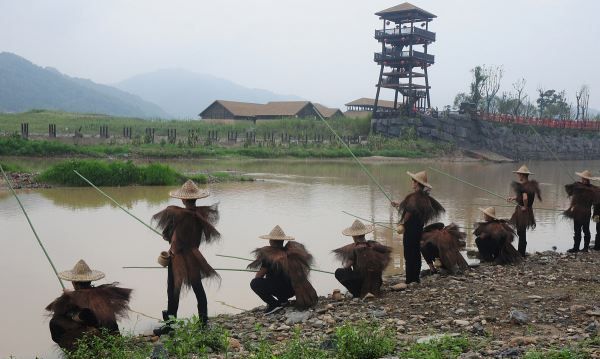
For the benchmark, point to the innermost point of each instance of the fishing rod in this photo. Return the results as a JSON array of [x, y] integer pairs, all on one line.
[[552, 153], [511, 206], [117, 203], [250, 260], [32, 228], [384, 226], [353, 156], [217, 269], [468, 183]]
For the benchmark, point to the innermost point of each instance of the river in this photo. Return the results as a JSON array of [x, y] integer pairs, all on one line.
[[306, 198]]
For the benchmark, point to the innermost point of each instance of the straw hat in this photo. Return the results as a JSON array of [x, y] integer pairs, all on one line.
[[523, 170], [357, 229], [81, 273], [490, 211], [189, 190], [586, 174], [277, 234], [420, 177]]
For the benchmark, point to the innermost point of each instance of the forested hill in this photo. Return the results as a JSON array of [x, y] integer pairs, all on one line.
[[25, 86]]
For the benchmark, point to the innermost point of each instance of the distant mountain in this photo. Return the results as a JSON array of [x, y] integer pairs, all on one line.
[[185, 94], [25, 86]]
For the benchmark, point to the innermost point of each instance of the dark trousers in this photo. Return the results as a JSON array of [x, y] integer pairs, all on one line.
[[578, 227], [488, 249], [173, 297], [350, 279], [522, 233], [412, 252], [272, 290], [597, 245]]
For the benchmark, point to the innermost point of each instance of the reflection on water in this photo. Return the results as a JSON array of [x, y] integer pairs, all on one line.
[[305, 197]]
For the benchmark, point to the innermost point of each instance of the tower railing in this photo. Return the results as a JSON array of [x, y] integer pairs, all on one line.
[[396, 55], [380, 34]]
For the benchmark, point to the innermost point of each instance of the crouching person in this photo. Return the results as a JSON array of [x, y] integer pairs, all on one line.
[[494, 239], [363, 262], [444, 243], [282, 273], [86, 310]]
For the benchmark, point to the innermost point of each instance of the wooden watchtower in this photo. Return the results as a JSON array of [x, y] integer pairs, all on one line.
[[403, 59]]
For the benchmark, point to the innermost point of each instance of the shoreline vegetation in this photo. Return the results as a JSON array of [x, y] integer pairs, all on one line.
[[111, 174], [78, 135], [489, 312]]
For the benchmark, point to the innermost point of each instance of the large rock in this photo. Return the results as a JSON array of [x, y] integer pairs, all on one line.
[[296, 317]]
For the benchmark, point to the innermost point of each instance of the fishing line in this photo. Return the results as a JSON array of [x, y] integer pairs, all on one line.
[[250, 260], [553, 154]]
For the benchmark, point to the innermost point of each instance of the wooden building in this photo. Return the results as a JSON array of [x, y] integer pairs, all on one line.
[[233, 110], [363, 107], [404, 57]]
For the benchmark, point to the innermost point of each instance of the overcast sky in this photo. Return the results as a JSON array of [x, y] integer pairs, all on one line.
[[321, 50]]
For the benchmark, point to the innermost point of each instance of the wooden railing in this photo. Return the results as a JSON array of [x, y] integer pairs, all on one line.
[[380, 34], [542, 122]]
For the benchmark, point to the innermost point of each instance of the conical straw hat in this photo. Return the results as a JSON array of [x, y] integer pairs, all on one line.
[[277, 234], [81, 273], [357, 229], [189, 190], [490, 211], [420, 177], [523, 170], [585, 174]]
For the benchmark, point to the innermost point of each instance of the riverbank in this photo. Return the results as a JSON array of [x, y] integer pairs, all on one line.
[[546, 307]]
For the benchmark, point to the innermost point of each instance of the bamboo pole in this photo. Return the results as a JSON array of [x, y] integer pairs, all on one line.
[[217, 269], [250, 260], [117, 203], [32, 228], [384, 226], [511, 206], [353, 156]]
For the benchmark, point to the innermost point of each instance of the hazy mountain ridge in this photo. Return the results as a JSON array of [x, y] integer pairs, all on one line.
[[185, 94], [25, 86]]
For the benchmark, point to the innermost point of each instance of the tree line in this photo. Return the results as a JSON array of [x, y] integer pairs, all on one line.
[[484, 95]]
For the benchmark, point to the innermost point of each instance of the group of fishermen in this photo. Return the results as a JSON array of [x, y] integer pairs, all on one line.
[[284, 265]]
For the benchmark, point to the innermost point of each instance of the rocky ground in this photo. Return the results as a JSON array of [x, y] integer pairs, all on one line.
[[22, 180], [552, 300]]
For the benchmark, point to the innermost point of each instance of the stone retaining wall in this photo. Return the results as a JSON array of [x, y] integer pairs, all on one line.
[[518, 142]]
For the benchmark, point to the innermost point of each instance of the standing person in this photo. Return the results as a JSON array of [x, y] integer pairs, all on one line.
[[583, 196], [282, 272], [494, 238], [185, 229], [363, 262], [86, 310], [525, 192], [596, 219], [416, 210]]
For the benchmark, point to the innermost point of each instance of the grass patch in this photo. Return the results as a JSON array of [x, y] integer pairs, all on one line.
[[110, 347], [445, 347], [363, 340], [191, 337], [12, 167]]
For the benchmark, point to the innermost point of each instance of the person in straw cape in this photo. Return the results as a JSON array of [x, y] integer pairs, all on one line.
[[596, 219], [583, 196], [363, 262], [282, 272], [525, 192], [444, 243], [494, 237], [185, 229], [86, 310], [417, 209]]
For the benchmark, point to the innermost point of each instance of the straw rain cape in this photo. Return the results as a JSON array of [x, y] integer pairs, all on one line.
[[421, 205], [86, 311], [525, 218], [368, 258], [583, 197], [494, 241], [444, 243], [185, 229], [294, 261]]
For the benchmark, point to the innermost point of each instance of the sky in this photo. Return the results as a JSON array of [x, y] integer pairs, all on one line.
[[321, 50]]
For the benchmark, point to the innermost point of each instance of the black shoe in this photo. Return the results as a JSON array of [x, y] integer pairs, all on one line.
[[573, 250], [165, 315], [165, 329], [596, 247], [273, 309], [284, 303], [585, 249]]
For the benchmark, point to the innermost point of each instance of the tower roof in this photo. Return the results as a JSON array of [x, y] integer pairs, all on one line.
[[405, 11]]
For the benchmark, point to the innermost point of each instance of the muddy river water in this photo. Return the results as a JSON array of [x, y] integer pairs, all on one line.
[[306, 198]]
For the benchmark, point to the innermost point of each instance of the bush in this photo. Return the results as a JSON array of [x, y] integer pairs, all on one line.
[[297, 348], [12, 167], [445, 347], [110, 347], [190, 336], [364, 341]]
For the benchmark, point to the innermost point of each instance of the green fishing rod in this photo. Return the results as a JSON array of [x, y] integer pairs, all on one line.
[[511, 206], [217, 269], [32, 227], [117, 203], [384, 226], [552, 153], [250, 260], [353, 156]]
